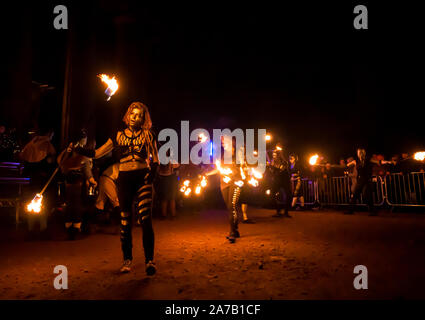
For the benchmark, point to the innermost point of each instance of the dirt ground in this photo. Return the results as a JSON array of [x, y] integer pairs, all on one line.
[[311, 256]]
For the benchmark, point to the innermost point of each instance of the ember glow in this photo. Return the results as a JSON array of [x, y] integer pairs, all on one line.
[[111, 83], [35, 205], [202, 138], [419, 156], [313, 159]]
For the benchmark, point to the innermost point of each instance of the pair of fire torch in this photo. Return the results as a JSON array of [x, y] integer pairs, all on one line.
[[37, 202]]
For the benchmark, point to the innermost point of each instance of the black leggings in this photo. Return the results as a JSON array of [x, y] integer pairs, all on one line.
[[362, 186], [231, 195], [131, 184]]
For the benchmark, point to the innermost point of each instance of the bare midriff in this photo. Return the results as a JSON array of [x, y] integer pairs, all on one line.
[[131, 163]]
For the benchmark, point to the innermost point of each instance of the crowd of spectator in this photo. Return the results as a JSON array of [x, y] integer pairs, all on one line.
[[400, 164]]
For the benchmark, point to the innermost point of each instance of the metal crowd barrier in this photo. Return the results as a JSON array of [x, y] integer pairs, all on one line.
[[336, 191], [405, 189]]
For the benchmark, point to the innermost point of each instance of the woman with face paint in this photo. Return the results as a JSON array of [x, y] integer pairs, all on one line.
[[136, 151]]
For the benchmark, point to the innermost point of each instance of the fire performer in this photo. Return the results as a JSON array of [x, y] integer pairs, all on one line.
[[295, 172], [136, 151], [245, 191], [230, 186], [282, 183], [364, 167], [76, 169]]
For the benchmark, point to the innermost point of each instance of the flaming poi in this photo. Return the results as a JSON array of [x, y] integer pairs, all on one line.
[[36, 204], [111, 83], [199, 185], [313, 160], [419, 156]]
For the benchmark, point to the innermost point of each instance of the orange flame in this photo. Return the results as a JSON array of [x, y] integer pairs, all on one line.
[[313, 159], [35, 205], [111, 83], [419, 156]]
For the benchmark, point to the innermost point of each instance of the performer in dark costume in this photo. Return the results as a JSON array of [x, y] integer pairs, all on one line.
[[230, 186], [364, 166], [76, 169], [281, 183], [136, 151], [295, 172]]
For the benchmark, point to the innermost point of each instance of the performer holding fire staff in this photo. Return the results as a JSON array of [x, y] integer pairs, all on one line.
[[364, 166], [76, 169], [136, 151], [295, 172], [282, 183]]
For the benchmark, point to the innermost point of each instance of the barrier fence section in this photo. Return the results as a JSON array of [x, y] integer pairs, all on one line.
[[338, 190], [403, 190]]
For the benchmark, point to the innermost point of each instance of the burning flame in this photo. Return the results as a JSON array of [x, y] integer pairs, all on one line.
[[242, 174], [278, 148], [268, 192], [313, 159], [226, 179], [187, 192], [225, 171], [203, 182], [253, 182], [256, 174], [419, 156], [198, 190], [35, 205], [112, 85], [239, 183], [268, 137]]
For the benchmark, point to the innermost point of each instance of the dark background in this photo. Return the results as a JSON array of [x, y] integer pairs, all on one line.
[[300, 71]]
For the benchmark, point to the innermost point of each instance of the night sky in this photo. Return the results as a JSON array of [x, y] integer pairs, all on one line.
[[301, 72]]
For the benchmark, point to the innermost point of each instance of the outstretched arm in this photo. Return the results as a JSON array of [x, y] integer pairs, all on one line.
[[98, 153], [104, 150], [352, 163]]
